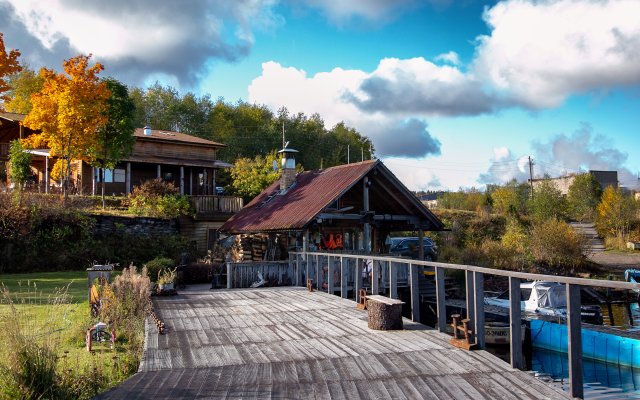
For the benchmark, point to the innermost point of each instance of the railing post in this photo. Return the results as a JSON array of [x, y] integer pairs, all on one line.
[[330, 282], [415, 292], [298, 272], [229, 276], [307, 266], [393, 280], [440, 300], [358, 279], [375, 276], [343, 279], [318, 272], [515, 323], [470, 300], [478, 288], [575, 341]]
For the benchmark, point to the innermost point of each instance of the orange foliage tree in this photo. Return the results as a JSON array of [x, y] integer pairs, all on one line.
[[69, 111], [8, 65]]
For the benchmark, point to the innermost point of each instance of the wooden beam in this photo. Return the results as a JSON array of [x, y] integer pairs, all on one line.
[[415, 292], [440, 300], [574, 329], [343, 279], [478, 288], [515, 317]]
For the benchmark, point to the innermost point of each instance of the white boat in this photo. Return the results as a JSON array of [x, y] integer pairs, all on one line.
[[546, 299], [498, 333]]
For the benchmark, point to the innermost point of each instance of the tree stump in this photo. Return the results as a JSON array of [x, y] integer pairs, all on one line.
[[384, 313]]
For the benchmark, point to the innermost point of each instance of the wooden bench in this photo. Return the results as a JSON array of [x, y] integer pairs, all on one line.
[[384, 313]]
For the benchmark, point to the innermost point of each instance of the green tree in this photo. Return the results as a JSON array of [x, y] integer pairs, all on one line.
[[20, 164], [547, 202], [615, 213], [23, 84], [510, 198], [114, 140], [583, 197], [249, 176]]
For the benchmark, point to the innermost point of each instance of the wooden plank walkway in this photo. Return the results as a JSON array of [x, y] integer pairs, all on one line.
[[289, 343]]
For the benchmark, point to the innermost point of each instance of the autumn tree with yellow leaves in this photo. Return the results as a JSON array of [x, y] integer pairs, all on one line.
[[68, 112], [8, 65]]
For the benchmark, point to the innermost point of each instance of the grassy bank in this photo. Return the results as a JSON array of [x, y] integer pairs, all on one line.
[[51, 311]]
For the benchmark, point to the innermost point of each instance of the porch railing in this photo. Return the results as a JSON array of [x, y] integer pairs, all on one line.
[[343, 273], [216, 204]]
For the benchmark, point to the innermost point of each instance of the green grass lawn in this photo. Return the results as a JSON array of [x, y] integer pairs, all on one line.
[[40, 285], [44, 315]]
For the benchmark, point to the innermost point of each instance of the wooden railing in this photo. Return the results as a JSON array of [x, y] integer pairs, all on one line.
[[275, 273], [216, 204], [323, 268], [4, 150]]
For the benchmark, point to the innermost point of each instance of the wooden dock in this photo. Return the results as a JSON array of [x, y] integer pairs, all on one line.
[[289, 343]]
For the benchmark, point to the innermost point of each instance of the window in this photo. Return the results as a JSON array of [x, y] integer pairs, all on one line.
[[112, 175]]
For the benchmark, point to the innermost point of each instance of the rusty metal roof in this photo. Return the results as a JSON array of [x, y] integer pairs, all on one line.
[[175, 137], [312, 192]]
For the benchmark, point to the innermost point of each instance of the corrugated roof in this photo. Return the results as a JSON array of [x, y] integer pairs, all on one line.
[[312, 192], [174, 136]]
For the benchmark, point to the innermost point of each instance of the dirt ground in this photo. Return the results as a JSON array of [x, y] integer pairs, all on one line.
[[615, 261]]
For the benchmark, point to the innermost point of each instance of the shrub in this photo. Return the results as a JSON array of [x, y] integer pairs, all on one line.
[[125, 304], [156, 198], [555, 244], [156, 265]]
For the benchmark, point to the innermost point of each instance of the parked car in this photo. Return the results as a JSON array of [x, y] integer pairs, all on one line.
[[408, 247]]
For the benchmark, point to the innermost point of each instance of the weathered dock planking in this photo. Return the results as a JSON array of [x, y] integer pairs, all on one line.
[[289, 343]]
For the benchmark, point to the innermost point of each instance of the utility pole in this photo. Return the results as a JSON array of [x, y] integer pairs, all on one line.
[[362, 153], [348, 149], [283, 135], [531, 175]]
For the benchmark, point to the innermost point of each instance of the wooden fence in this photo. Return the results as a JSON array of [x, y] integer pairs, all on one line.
[[216, 204], [274, 273]]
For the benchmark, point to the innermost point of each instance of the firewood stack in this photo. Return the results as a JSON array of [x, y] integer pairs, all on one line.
[[249, 248]]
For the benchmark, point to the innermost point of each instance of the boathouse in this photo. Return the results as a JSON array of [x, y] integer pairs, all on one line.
[[349, 208]]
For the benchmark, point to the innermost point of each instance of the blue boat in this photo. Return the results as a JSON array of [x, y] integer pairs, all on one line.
[[618, 347]]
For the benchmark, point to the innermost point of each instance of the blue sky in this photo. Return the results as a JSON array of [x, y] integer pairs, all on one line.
[[452, 93]]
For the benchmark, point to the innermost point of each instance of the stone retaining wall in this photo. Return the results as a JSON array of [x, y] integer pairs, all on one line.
[[111, 225]]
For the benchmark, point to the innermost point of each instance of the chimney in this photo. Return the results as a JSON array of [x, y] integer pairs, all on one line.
[[147, 130], [288, 176]]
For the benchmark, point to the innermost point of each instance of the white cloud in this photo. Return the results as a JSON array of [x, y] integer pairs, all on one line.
[[541, 52], [324, 93], [450, 57], [339, 11]]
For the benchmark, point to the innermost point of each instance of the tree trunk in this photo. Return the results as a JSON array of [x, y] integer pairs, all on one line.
[[102, 185]]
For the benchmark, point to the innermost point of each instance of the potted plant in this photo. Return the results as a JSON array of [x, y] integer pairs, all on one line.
[[166, 278]]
